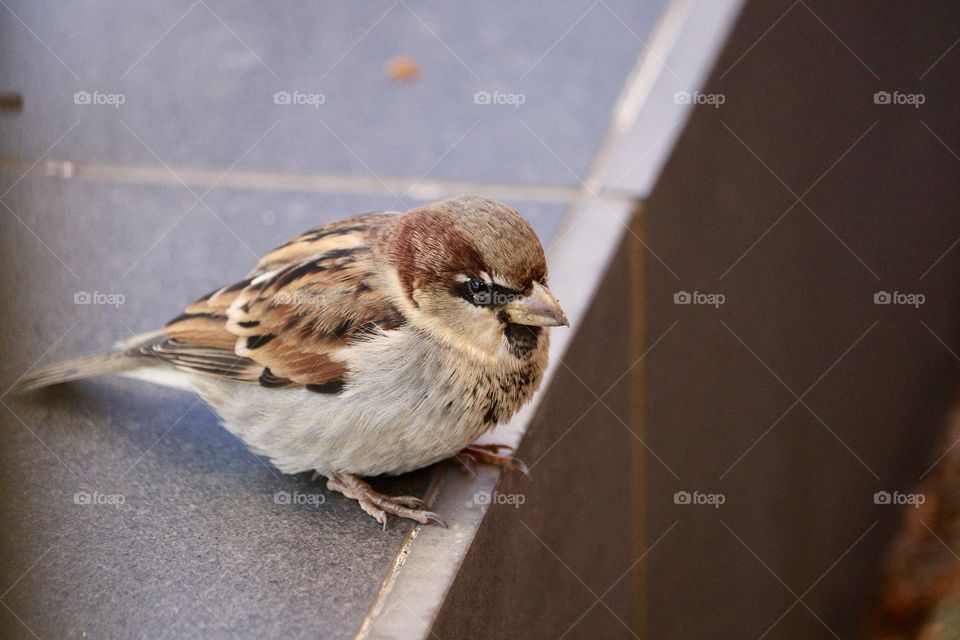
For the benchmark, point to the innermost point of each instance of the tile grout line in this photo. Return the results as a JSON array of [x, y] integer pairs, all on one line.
[[303, 182], [647, 68], [386, 585], [636, 261]]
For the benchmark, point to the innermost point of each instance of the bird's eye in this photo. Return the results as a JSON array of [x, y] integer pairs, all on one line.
[[478, 286], [479, 292]]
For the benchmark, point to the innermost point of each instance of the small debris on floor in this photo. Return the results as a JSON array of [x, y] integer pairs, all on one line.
[[11, 101], [403, 69]]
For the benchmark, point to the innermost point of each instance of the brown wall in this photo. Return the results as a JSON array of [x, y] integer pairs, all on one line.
[[801, 299]]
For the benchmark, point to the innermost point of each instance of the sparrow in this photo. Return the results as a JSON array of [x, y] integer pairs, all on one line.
[[374, 345]]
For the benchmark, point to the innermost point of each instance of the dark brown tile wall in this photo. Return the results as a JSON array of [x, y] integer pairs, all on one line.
[[799, 199]]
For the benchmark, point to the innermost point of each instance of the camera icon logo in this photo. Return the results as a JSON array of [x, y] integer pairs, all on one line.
[[82, 497], [882, 297], [682, 297], [882, 97], [681, 497], [82, 297], [281, 497], [882, 497], [484, 298], [281, 97], [682, 97], [481, 97], [482, 497], [82, 97]]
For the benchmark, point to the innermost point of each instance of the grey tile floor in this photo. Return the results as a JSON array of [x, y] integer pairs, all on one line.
[[198, 83], [199, 547]]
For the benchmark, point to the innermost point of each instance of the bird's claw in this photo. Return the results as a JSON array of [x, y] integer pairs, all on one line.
[[490, 454], [379, 505]]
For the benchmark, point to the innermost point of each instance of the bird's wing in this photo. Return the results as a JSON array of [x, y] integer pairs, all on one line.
[[292, 320]]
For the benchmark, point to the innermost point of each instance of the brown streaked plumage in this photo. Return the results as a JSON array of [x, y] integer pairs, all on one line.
[[376, 344]]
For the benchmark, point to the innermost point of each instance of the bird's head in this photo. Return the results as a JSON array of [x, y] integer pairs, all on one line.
[[473, 271]]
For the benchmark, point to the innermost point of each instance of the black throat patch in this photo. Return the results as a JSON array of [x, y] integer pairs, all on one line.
[[523, 339]]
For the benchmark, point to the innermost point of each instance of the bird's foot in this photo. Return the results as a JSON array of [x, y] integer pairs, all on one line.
[[490, 454], [379, 505]]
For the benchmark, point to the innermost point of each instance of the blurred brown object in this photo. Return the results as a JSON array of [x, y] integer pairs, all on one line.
[[919, 595], [11, 101], [402, 69]]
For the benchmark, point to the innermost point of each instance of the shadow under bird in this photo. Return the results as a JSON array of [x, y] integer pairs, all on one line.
[[373, 345]]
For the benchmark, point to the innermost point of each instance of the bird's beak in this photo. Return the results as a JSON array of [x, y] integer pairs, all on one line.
[[538, 309]]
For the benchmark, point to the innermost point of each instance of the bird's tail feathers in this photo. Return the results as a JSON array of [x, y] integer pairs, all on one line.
[[124, 359], [69, 370]]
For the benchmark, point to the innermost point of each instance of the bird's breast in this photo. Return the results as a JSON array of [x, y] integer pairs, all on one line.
[[408, 403]]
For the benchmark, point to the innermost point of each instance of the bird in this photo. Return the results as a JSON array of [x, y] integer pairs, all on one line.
[[373, 345]]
